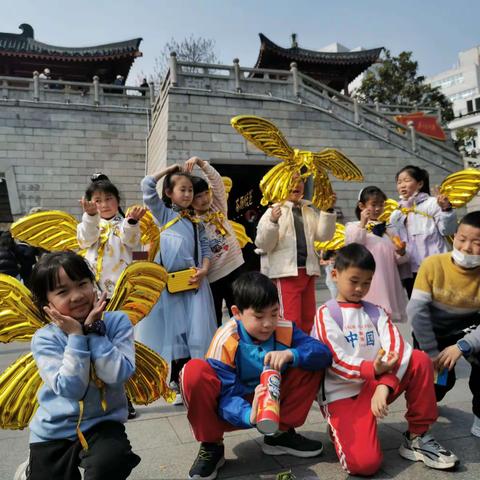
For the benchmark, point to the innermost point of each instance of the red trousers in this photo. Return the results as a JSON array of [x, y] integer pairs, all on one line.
[[354, 427], [297, 299], [201, 389]]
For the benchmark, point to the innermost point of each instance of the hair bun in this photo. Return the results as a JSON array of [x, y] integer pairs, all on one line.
[[96, 177]]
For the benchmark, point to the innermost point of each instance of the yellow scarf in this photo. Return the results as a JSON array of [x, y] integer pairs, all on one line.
[[217, 219]]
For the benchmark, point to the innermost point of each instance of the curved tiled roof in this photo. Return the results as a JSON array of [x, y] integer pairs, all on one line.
[[24, 45], [296, 54]]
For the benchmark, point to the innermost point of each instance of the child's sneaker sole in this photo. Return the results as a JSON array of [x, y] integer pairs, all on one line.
[[416, 456], [213, 475], [280, 450]]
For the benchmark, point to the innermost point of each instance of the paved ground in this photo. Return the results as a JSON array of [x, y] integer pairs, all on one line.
[[162, 437]]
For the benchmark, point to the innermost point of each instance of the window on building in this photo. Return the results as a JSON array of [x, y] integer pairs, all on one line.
[[5, 212], [448, 82], [462, 95]]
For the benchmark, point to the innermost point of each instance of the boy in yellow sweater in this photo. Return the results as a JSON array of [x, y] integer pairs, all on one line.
[[444, 309]]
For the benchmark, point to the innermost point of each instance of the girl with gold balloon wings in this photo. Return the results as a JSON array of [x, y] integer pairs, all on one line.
[[288, 230], [71, 387], [108, 237], [425, 218]]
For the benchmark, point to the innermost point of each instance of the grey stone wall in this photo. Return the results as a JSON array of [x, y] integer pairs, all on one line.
[[48, 153], [199, 124]]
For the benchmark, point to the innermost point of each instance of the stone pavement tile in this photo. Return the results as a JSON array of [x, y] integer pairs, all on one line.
[[467, 449], [14, 452], [154, 433], [454, 421]]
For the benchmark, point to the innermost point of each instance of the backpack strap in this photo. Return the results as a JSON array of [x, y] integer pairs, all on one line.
[[373, 312], [336, 312]]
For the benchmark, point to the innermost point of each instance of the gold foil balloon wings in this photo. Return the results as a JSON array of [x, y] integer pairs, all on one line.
[[278, 182], [54, 230], [137, 290], [459, 187]]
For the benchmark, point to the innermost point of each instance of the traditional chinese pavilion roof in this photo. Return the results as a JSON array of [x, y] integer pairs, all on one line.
[[335, 69], [21, 55]]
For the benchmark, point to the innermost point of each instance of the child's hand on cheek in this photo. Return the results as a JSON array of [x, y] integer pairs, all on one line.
[[67, 324], [364, 217], [97, 311]]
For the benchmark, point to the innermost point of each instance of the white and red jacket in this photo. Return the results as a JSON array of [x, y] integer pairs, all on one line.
[[355, 348]]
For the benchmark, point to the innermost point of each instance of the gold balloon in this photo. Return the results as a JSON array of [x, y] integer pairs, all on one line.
[[240, 233], [19, 385], [337, 242], [138, 289], [148, 383], [296, 164], [390, 206], [19, 316], [52, 230], [460, 187], [150, 233]]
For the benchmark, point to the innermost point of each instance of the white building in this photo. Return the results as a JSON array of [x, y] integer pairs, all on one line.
[[461, 85]]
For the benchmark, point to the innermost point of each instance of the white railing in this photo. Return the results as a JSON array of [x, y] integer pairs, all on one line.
[[41, 90], [293, 86]]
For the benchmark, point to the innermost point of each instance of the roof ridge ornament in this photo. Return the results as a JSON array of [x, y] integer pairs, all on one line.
[[27, 30]]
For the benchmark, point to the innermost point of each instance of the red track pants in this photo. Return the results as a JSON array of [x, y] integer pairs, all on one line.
[[201, 389], [354, 427], [297, 298]]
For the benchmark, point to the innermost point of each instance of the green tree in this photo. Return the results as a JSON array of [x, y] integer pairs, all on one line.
[[396, 81]]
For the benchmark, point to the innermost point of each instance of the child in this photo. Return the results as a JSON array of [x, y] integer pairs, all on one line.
[[221, 392], [286, 233], [83, 355], [386, 289], [427, 219], [109, 238], [361, 382], [444, 309], [181, 324], [210, 205], [327, 260]]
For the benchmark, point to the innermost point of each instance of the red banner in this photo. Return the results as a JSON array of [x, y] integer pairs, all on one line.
[[426, 124]]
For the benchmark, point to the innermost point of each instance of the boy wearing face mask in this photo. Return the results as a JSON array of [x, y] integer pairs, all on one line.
[[445, 309]]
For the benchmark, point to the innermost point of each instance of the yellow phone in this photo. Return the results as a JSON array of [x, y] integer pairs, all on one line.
[[178, 281]]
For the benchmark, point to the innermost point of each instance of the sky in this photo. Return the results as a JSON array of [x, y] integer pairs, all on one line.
[[434, 30]]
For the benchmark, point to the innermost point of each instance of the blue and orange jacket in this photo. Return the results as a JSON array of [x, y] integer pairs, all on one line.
[[238, 361]]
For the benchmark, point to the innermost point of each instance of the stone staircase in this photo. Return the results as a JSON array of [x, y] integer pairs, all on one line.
[[296, 88]]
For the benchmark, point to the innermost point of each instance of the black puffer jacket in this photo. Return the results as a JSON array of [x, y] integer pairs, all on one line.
[[9, 263]]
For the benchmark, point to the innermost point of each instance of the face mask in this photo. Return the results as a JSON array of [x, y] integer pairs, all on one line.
[[464, 260]]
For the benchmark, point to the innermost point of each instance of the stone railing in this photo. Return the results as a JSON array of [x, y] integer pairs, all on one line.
[[294, 87], [96, 94]]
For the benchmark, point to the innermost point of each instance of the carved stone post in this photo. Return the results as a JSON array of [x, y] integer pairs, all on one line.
[[96, 90], [413, 135], [36, 86], [173, 69], [294, 71], [236, 73], [356, 111]]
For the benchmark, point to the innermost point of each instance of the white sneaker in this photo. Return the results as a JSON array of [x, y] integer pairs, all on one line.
[[178, 398], [476, 426], [426, 449], [21, 473]]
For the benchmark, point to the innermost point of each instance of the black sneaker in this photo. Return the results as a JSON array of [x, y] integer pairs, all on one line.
[[291, 443], [132, 413], [209, 460]]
